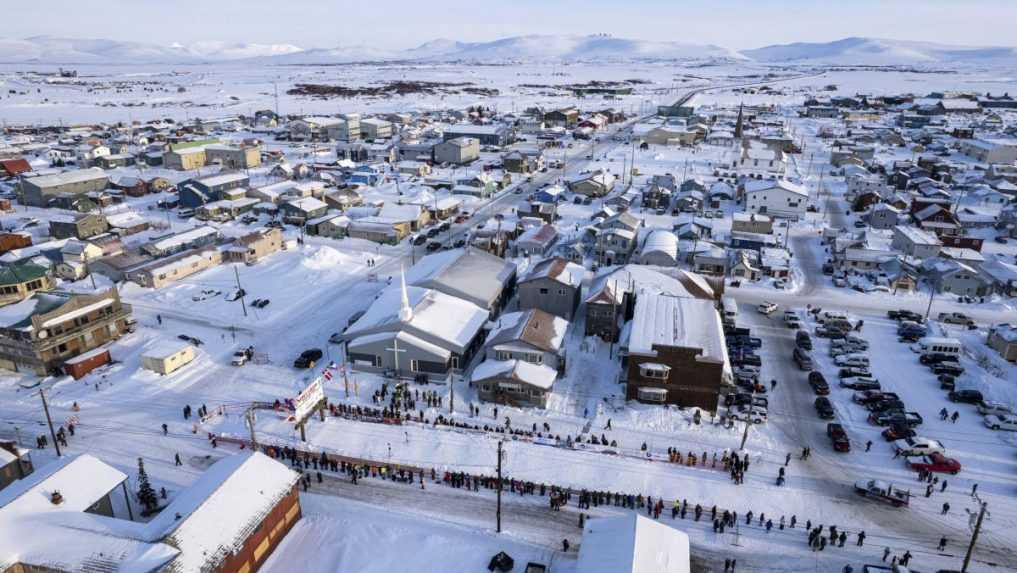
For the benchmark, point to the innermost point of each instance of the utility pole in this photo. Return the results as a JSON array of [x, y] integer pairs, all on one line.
[[498, 511], [240, 290], [249, 415], [974, 537], [932, 295], [49, 420], [451, 392]]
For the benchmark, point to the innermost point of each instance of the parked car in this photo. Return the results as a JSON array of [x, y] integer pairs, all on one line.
[[852, 360], [308, 358], [419, 240], [931, 358], [839, 437], [904, 314], [746, 413], [824, 408], [803, 340], [818, 384], [946, 382], [898, 432], [910, 419], [1001, 422], [936, 462], [988, 408], [767, 308], [860, 383], [854, 372], [828, 332], [918, 446], [956, 318], [240, 357], [865, 396], [802, 359], [965, 396], [947, 368], [883, 406]]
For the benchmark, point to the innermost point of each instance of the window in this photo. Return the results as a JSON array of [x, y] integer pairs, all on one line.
[[502, 355], [377, 361], [543, 291], [62, 348], [652, 394], [655, 371], [510, 387], [413, 366], [561, 292], [486, 387]]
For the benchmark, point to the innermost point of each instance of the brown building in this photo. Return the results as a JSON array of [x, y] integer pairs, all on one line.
[[11, 241], [80, 226], [255, 246], [229, 521], [675, 352], [15, 463], [53, 326]]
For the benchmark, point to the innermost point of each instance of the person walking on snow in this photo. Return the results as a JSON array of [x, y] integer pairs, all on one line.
[[942, 543], [165, 429], [176, 460]]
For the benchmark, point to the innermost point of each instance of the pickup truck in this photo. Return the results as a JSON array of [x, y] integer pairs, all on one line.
[[956, 318], [867, 396], [909, 419], [883, 491]]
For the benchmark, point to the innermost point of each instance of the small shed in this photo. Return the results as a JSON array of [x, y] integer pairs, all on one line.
[[84, 363], [167, 357]]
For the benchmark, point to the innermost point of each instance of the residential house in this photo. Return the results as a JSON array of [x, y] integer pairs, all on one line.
[[233, 156], [197, 192], [524, 353], [779, 198], [173, 243], [41, 332], [957, 278], [333, 226], [253, 247], [417, 216], [457, 151], [883, 216], [19, 280], [1003, 339], [594, 184], [997, 150], [566, 117], [226, 209], [303, 209], [312, 127], [537, 241], [915, 242], [751, 223], [15, 463], [158, 273], [346, 128], [554, 286], [80, 226], [523, 161]]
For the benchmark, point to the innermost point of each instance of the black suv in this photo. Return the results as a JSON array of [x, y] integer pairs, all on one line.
[[803, 340], [308, 358], [824, 408], [950, 368], [937, 358], [965, 396]]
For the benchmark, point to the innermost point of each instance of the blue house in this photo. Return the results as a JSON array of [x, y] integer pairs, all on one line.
[[365, 175], [551, 194], [197, 192]]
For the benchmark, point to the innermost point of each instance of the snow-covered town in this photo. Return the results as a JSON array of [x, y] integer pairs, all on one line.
[[518, 305]]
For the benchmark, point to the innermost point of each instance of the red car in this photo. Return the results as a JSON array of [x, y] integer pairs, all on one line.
[[936, 463], [838, 436]]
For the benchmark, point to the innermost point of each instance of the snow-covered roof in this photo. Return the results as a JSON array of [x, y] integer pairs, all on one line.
[[631, 543], [470, 274], [78, 176], [77, 312], [661, 240], [437, 318], [184, 238], [81, 480], [558, 269], [212, 518], [667, 320], [222, 179], [307, 204], [534, 327], [756, 186], [165, 349], [537, 375]]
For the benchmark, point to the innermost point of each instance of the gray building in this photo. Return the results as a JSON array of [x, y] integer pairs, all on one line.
[[524, 355], [553, 286], [470, 274], [459, 151], [915, 242], [495, 135], [38, 191], [81, 226], [883, 216], [412, 332]]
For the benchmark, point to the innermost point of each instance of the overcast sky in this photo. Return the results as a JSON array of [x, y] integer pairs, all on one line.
[[406, 23]]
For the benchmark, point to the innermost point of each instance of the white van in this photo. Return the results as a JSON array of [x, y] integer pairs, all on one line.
[[938, 345], [730, 308], [828, 315]]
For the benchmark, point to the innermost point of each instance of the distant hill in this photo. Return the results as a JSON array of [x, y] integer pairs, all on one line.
[[51, 50], [533, 48], [879, 52]]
